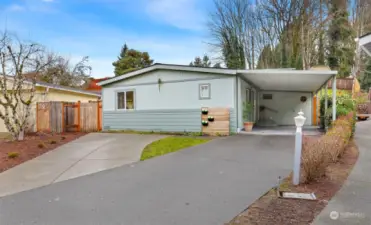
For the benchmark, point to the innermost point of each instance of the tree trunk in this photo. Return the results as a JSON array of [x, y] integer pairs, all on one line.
[[21, 135]]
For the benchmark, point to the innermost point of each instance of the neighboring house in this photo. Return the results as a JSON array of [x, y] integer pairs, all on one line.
[[169, 97], [46, 92], [92, 84]]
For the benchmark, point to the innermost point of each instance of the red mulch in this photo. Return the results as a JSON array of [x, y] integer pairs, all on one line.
[[29, 148], [271, 210]]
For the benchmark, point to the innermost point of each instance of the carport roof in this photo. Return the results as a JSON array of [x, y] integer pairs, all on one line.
[[287, 80], [265, 79]]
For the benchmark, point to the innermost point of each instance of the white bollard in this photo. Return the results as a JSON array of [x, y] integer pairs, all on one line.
[[299, 122]]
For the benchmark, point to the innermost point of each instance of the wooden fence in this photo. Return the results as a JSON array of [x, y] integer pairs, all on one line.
[[61, 117]]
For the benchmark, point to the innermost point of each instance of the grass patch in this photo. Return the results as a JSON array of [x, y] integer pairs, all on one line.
[[170, 144]]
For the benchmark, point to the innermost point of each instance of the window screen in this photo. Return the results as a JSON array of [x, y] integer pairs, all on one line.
[[125, 100], [121, 100]]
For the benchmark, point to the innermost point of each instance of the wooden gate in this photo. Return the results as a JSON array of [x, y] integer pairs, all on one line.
[[69, 117]]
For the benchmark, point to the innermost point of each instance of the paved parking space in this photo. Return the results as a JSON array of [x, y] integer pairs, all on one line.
[[207, 184], [89, 154]]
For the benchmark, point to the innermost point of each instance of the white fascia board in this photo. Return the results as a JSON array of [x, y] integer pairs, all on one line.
[[264, 71]]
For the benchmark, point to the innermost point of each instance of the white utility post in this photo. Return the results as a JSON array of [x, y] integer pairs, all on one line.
[[299, 122]]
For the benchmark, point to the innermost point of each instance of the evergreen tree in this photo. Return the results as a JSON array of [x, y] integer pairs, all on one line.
[[204, 62], [341, 39], [131, 59], [197, 62]]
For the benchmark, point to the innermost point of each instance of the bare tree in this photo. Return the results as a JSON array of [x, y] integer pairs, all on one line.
[[63, 72], [17, 92]]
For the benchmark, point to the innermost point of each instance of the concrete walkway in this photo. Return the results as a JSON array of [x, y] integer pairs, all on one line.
[[352, 204], [208, 184], [89, 154]]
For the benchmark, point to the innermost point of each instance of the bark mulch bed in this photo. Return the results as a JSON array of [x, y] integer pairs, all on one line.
[[33, 146], [271, 210]]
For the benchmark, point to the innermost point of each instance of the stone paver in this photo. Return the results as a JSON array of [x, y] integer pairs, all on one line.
[[207, 184], [89, 154], [352, 204]]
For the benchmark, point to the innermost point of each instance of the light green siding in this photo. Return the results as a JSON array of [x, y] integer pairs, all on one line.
[[169, 120], [232, 121]]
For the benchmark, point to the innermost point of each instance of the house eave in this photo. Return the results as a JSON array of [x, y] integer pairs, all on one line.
[[168, 67]]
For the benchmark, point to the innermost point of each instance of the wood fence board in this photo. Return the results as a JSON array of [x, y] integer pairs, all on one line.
[[221, 122], [69, 116], [43, 116]]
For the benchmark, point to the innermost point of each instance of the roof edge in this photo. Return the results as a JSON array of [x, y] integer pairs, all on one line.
[[159, 66]]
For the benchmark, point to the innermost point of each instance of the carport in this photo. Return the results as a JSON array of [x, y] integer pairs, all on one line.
[[279, 94]]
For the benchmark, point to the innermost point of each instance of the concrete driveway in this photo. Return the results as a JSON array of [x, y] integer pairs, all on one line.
[[207, 184], [89, 154]]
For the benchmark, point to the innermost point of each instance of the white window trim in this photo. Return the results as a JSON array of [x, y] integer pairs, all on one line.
[[199, 91], [116, 99]]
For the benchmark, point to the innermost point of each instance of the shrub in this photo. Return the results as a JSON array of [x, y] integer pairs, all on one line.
[[318, 154], [344, 105], [41, 145], [314, 160], [53, 142], [13, 155]]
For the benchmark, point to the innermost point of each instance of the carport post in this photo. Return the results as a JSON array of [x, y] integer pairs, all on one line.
[[299, 122], [334, 98], [326, 103]]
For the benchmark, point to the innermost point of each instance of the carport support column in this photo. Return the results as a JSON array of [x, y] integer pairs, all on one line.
[[334, 98], [326, 103]]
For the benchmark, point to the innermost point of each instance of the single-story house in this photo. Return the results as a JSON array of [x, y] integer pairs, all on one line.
[[46, 92], [166, 97]]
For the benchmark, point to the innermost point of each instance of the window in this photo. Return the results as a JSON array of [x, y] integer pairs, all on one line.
[[204, 91], [125, 100], [267, 96]]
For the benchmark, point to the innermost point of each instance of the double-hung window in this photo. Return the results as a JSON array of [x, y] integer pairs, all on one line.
[[125, 100]]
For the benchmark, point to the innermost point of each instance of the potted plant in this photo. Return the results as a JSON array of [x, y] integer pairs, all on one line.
[[204, 123], [210, 118], [247, 109], [204, 111]]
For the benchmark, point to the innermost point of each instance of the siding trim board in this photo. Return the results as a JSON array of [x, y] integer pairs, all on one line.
[[168, 82]]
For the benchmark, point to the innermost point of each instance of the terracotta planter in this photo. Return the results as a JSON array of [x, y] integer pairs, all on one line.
[[248, 126]]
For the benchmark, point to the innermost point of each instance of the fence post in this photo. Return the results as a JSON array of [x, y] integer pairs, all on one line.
[[98, 117], [37, 117], [63, 115], [78, 116], [299, 122]]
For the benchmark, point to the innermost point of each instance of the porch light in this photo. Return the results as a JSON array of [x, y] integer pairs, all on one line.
[[299, 121]]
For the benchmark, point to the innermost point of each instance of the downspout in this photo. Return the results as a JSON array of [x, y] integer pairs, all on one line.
[[237, 111]]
